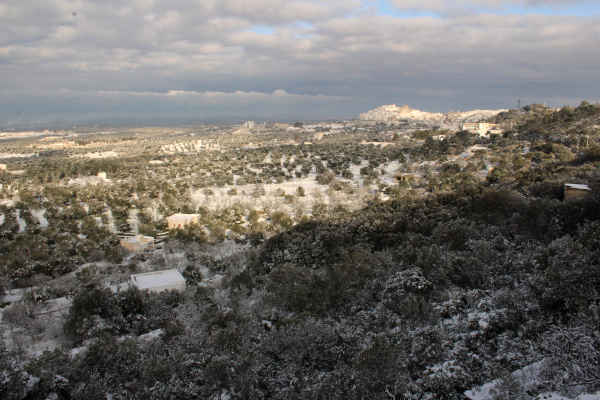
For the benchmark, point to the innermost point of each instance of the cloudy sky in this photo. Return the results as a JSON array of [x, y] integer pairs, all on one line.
[[194, 60]]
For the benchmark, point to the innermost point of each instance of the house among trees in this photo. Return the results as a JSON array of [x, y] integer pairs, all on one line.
[[178, 221], [481, 128], [137, 243], [574, 191], [158, 281]]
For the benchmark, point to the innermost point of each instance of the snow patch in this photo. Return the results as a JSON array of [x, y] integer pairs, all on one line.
[[39, 215]]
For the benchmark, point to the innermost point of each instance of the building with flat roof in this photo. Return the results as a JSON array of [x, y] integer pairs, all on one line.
[[137, 243], [481, 128], [178, 221], [158, 281], [573, 191]]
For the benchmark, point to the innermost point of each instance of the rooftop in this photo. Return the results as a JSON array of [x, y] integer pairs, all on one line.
[[154, 279], [577, 186]]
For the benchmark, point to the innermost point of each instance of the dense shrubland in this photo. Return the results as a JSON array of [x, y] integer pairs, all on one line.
[[418, 297], [422, 299]]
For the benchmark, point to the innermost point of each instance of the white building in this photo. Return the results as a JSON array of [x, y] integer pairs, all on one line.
[[157, 281], [178, 221], [137, 243], [576, 191], [481, 128]]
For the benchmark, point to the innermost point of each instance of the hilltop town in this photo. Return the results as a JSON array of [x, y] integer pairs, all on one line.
[[404, 253]]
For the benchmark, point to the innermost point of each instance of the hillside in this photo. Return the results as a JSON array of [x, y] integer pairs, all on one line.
[[451, 120], [465, 280]]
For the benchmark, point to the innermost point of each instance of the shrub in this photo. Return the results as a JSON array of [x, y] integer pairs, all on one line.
[[95, 311], [281, 219], [573, 357], [591, 154], [87, 307], [405, 293], [325, 178]]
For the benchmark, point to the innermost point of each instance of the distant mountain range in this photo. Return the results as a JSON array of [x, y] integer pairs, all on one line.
[[405, 115]]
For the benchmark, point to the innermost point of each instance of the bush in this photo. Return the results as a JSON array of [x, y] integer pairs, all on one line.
[[281, 219], [591, 154], [87, 307], [406, 292], [325, 178], [573, 357], [98, 310]]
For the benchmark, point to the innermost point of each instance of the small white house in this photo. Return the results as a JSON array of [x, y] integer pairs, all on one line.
[[157, 281], [178, 221], [574, 191], [137, 243]]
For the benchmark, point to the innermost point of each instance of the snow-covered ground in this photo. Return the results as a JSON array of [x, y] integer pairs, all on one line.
[[390, 169], [524, 376], [111, 221], [272, 199], [556, 396], [39, 215], [17, 155], [20, 221], [101, 154], [527, 377], [133, 221]]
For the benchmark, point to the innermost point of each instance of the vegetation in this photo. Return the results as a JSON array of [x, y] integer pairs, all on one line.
[[461, 264]]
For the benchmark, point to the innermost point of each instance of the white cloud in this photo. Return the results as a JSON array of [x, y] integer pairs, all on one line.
[[455, 6], [140, 50]]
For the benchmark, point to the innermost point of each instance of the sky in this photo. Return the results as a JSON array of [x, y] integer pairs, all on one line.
[[211, 60]]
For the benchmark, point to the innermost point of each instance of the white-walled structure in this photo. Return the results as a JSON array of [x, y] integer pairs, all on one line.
[[177, 221], [137, 243], [481, 128], [157, 281], [576, 191]]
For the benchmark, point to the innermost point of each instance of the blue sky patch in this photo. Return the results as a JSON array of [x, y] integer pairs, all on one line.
[[263, 29]]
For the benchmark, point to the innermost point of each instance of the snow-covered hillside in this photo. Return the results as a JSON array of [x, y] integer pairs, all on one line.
[[452, 120]]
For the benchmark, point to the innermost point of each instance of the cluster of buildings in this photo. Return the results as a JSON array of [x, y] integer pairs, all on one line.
[[482, 128]]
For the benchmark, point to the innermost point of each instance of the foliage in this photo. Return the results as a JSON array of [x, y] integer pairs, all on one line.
[[97, 311]]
